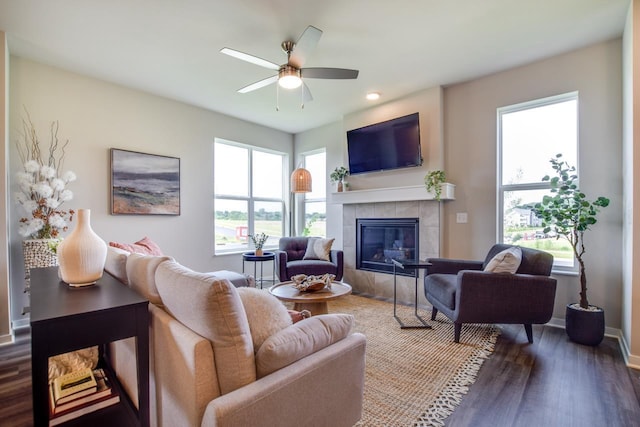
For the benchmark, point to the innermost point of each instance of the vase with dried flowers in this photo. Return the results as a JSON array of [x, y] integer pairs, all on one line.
[[42, 189], [258, 241]]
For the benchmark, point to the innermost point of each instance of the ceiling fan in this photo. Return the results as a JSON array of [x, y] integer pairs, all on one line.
[[290, 75]]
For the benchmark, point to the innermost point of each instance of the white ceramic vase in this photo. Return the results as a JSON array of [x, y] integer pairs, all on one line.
[[82, 254]]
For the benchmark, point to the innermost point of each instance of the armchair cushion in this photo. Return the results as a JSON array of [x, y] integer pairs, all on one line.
[[211, 308], [318, 248], [507, 261], [300, 340], [443, 288]]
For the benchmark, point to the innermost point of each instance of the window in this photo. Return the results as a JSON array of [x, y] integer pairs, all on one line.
[[248, 195], [529, 135], [315, 202]]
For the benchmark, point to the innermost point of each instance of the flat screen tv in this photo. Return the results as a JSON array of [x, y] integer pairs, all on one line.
[[393, 144]]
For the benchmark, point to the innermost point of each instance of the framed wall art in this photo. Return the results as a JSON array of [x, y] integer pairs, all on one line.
[[144, 184]]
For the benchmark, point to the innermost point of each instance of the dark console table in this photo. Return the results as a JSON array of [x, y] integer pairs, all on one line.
[[65, 319], [415, 268]]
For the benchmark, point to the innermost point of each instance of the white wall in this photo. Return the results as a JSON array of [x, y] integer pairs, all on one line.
[[96, 116], [631, 158], [470, 160]]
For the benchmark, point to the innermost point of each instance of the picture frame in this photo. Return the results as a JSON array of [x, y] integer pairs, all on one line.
[[144, 184]]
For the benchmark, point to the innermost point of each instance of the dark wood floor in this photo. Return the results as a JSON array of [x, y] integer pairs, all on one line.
[[552, 382], [549, 383]]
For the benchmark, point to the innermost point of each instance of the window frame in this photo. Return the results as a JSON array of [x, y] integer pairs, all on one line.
[[250, 199], [306, 198], [501, 188]]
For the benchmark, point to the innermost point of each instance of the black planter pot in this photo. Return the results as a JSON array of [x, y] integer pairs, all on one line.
[[584, 327]]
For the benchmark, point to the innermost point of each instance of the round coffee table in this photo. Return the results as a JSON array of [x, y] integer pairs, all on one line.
[[315, 302]]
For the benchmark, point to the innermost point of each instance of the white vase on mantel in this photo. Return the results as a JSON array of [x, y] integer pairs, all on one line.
[[82, 254]]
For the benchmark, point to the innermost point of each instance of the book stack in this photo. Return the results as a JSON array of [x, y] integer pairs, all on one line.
[[79, 393]]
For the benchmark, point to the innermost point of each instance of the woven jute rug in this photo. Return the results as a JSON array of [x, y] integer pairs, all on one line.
[[414, 377]]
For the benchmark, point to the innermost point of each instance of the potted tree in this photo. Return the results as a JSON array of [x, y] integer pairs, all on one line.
[[570, 214], [338, 176]]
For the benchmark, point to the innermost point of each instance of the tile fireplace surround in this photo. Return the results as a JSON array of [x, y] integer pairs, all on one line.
[[381, 284]]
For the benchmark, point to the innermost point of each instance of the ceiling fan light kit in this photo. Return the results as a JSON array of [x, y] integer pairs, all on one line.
[[289, 77], [290, 74]]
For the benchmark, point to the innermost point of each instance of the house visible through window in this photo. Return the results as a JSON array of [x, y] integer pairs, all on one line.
[[529, 135], [315, 202], [248, 195]]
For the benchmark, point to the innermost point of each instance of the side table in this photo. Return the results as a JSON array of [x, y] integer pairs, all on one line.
[[65, 319], [415, 266], [255, 259]]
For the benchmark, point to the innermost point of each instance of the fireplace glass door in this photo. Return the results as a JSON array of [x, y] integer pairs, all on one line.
[[378, 241]]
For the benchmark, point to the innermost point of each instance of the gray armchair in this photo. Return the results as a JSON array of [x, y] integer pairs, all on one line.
[[465, 293], [290, 260]]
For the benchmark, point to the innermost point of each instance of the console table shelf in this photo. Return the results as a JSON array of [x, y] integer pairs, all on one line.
[[64, 319]]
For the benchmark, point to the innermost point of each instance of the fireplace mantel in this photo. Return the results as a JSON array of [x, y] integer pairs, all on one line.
[[395, 194]]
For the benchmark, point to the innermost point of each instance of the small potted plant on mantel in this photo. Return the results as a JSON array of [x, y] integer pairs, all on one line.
[[433, 181], [568, 212], [338, 175]]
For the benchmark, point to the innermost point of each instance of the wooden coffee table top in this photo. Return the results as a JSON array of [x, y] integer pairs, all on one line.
[[286, 292]]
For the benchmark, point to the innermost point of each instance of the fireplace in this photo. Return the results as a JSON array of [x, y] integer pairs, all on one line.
[[380, 240]]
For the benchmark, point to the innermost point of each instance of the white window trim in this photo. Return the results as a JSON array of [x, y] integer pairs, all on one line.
[[502, 188], [249, 199]]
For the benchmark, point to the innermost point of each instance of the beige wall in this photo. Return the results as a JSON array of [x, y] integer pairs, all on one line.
[[96, 116], [470, 160], [5, 324], [631, 169]]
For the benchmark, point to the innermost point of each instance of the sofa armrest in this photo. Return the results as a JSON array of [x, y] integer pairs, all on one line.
[[184, 371], [504, 298], [451, 266], [281, 261], [324, 389], [337, 258]]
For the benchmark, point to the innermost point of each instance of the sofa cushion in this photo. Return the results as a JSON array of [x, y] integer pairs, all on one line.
[[266, 314], [506, 261], [141, 273], [212, 308], [116, 263], [144, 246], [318, 248], [443, 288], [300, 340]]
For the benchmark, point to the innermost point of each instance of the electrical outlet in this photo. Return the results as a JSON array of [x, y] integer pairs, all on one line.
[[461, 217]]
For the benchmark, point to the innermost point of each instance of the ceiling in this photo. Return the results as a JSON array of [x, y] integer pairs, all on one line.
[[171, 47]]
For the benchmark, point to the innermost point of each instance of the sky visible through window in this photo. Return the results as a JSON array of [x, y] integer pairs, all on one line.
[[531, 137]]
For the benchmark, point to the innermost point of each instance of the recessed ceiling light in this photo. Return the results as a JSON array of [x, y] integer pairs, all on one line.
[[372, 96]]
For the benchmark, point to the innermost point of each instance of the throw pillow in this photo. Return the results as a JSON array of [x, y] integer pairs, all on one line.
[[506, 261], [145, 246], [265, 313], [300, 340], [211, 307], [318, 248]]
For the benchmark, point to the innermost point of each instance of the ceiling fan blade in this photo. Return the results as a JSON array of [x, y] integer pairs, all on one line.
[[259, 84], [250, 58], [329, 73], [304, 46]]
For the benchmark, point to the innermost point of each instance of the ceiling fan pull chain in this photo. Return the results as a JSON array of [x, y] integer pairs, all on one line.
[[277, 97], [302, 96]]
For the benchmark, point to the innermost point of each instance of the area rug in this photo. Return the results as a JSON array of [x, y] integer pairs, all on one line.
[[414, 377]]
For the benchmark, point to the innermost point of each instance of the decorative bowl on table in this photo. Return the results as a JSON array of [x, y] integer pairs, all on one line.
[[311, 283]]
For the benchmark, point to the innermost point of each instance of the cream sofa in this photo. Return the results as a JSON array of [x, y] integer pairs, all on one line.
[[205, 371]]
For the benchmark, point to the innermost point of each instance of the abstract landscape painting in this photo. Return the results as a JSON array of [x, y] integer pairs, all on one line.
[[144, 184]]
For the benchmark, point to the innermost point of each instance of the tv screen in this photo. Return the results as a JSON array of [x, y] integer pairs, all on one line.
[[393, 144]]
